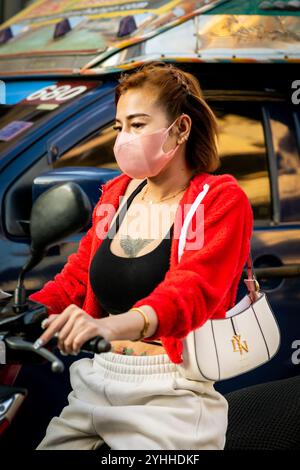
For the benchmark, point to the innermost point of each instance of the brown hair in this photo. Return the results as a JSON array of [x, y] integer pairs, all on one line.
[[180, 92]]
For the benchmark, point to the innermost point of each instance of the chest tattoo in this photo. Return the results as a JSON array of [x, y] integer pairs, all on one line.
[[132, 246]]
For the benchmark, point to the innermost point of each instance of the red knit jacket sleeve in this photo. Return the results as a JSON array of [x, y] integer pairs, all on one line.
[[69, 286], [196, 288]]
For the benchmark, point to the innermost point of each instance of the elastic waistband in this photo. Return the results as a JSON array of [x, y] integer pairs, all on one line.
[[135, 368]]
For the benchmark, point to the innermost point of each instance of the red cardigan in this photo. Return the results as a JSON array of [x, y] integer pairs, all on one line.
[[202, 285]]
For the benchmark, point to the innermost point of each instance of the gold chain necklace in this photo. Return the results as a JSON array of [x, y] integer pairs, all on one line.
[[164, 198]]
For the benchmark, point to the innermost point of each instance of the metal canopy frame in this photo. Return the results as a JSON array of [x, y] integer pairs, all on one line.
[[175, 30]]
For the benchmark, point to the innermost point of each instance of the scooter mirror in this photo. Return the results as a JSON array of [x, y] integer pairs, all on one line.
[[57, 213]]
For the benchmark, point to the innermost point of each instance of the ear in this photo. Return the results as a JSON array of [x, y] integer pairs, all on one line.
[[184, 127], [185, 123]]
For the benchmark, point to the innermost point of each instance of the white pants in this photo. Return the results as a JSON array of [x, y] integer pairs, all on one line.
[[137, 402]]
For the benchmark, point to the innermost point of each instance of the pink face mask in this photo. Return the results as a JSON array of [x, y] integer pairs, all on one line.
[[143, 155]]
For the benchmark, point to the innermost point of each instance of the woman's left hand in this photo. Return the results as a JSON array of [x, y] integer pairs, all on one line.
[[73, 327]]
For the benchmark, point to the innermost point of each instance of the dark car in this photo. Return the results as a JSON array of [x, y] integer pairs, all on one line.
[[58, 126]]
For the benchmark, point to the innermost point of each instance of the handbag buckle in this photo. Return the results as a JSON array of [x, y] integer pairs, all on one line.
[[252, 284], [253, 287]]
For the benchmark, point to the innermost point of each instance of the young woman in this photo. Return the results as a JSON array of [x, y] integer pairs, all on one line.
[[128, 285]]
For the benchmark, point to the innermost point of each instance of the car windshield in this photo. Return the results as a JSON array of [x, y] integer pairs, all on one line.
[[16, 120], [24, 104]]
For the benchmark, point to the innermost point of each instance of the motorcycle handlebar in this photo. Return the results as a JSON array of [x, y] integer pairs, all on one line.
[[96, 345], [18, 344], [21, 329]]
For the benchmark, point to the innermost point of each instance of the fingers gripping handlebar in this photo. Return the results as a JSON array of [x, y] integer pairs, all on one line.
[[95, 345], [18, 331]]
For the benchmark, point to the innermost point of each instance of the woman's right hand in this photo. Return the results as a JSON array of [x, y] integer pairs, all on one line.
[[73, 327]]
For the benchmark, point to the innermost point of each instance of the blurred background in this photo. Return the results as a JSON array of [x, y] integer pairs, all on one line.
[[11, 8]]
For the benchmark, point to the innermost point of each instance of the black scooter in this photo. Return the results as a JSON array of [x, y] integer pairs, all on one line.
[[56, 214]]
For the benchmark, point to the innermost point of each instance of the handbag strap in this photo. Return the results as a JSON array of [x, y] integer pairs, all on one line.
[[251, 281]]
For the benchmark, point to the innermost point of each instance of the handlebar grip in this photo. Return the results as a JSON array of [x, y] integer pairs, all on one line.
[[96, 345]]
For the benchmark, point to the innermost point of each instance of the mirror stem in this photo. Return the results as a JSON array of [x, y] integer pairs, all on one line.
[[20, 303]]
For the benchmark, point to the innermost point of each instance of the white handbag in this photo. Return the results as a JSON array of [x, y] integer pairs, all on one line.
[[245, 339]]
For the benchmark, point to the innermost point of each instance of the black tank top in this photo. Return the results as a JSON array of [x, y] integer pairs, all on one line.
[[118, 282]]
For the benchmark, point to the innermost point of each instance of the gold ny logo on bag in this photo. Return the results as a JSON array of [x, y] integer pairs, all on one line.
[[239, 345]]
